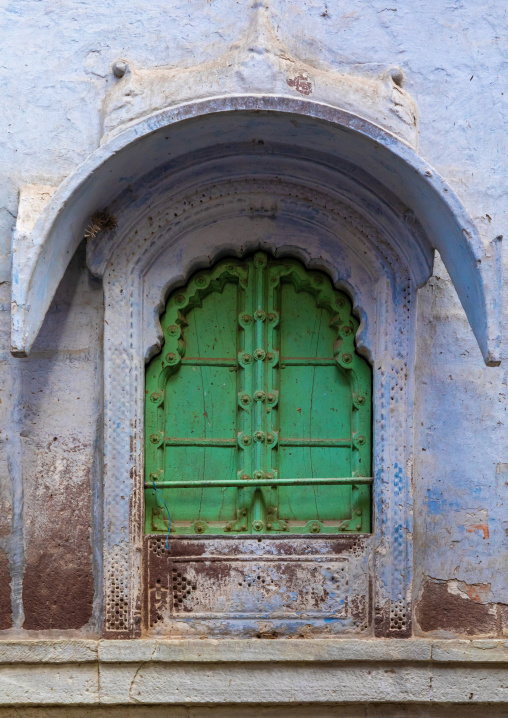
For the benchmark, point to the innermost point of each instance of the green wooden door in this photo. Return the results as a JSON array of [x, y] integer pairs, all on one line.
[[258, 409]]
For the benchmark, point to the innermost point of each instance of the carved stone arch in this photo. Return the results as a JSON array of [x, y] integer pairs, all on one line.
[[152, 261], [169, 214]]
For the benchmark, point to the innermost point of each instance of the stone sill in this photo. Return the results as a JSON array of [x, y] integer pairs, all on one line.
[[253, 650], [319, 671]]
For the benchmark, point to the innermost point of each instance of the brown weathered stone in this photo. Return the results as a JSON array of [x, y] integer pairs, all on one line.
[[58, 586], [57, 591], [59, 446], [440, 609], [5, 592]]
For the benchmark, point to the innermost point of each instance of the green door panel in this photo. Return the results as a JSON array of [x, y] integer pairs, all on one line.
[[305, 331], [206, 400], [212, 326], [315, 398], [324, 503], [302, 461], [258, 409]]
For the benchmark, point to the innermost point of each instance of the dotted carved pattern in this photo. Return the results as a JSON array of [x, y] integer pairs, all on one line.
[[182, 588], [122, 489], [117, 595], [260, 580], [158, 545], [394, 570], [398, 616]]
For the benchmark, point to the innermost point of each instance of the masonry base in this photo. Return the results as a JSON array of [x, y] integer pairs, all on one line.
[[265, 673]]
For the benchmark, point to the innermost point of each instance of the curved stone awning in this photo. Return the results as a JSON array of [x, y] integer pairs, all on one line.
[[387, 166]]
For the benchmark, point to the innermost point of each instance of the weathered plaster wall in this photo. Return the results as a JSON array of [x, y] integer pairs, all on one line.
[[460, 474], [56, 62], [52, 442], [60, 387]]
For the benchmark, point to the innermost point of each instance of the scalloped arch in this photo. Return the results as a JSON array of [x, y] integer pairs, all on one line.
[[255, 356]]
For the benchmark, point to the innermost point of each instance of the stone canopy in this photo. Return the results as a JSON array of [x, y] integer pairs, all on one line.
[[389, 179], [358, 121]]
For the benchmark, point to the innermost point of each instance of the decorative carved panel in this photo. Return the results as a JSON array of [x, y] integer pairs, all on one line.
[[258, 587]]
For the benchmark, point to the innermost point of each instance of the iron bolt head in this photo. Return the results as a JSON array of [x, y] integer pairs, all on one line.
[[259, 436], [259, 354], [180, 299], [270, 476], [200, 527], [258, 475], [317, 279], [171, 358], [243, 527], [244, 512], [315, 528], [271, 398], [272, 317], [257, 525], [270, 356], [340, 302], [260, 260], [347, 358], [155, 438], [360, 440], [244, 477], [173, 330], [246, 358], [260, 315], [259, 396], [245, 399], [201, 280], [359, 400], [246, 440], [269, 438], [246, 318], [269, 526]]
